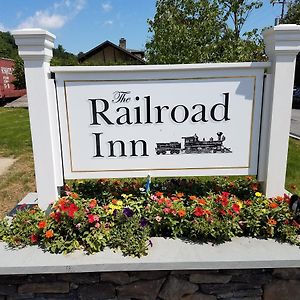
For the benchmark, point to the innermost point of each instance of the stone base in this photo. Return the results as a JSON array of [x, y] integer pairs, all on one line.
[[266, 284]]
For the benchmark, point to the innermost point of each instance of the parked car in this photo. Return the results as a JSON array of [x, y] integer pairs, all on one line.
[[296, 98]]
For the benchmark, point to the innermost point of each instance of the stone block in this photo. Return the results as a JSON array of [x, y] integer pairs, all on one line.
[[119, 278], [42, 287], [287, 273], [248, 293], [215, 288], [142, 290], [282, 290], [12, 279], [148, 275], [41, 278], [199, 296], [209, 277], [253, 278], [175, 289], [7, 289], [87, 278], [97, 291]]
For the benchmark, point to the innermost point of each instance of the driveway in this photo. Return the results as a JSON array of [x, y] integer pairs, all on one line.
[[295, 122]]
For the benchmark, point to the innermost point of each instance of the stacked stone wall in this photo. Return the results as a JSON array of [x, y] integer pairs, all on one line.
[[254, 284]]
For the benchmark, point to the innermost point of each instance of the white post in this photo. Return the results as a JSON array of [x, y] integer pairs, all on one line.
[[35, 48], [282, 46]]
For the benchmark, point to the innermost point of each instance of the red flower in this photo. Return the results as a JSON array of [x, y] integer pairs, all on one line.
[[55, 216], [273, 205], [92, 218], [42, 224], [223, 212], [198, 212], [248, 202], [33, 238], [72, 209], [168, 202], [236, 208]]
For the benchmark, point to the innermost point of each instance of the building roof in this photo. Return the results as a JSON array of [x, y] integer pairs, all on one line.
[[105, 44]]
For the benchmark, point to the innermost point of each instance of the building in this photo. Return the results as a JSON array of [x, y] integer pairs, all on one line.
[[7, 89], [109, 53]]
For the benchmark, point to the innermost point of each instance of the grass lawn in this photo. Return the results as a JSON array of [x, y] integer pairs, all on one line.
[[15, 141]]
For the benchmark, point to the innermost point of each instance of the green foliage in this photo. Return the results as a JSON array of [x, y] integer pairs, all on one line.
[[127, 222], [19, 74], [8, 48], [196, 31], [63, 58], [292, 15]]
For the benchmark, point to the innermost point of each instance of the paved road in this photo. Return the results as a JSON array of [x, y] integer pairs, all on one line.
[[295, 122]]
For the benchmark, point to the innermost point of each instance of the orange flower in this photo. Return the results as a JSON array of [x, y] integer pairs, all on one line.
[[181, 213], [201, 201], [193, 198], [272, 222], [93, 203], [49, 234], [158, 194], [114, 201], [279, 198], [180, 195], [74, 195], [42, 224], [273, 205]]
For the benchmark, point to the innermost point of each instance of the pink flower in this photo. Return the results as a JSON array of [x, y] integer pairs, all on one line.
[[166, 210], [78, 225], [97, 225]]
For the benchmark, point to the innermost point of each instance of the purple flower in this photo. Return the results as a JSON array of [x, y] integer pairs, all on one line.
[[143, 222], [128, 212]]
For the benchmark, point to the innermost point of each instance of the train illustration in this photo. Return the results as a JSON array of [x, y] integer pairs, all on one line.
[[192, 144]]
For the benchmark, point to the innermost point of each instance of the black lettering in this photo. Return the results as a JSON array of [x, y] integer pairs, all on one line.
[[98, 144], [133, 147], [111, 148], [213, 110], [173, 113], [159, 110], [148, 110], [95, 113], [201, 114], [137, 115], [126, 116]]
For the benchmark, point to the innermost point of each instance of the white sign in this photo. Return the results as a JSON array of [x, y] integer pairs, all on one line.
[[187, 125]]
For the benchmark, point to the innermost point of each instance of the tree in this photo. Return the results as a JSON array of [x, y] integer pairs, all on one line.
[[197, 31], [8, 48], [185, 31], [63, 58], [292, 15], [238, 12], [19, 74]]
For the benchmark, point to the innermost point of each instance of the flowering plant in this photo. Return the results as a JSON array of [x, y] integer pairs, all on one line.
[[123, 216]]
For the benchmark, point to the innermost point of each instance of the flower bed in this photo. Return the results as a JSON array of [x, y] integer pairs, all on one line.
[[121, 215]]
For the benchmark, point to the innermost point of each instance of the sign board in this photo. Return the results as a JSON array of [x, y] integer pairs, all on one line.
[[164, 123]]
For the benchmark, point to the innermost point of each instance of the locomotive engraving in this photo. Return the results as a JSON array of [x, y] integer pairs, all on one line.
[[192, 144]]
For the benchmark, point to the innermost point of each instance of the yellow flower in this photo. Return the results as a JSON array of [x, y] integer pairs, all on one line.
[[258, 194], [239, 203], [119, 203]]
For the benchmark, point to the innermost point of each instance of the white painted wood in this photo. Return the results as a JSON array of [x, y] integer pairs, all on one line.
[[35, 47], [192, 84], [174, 67], [282, 45]]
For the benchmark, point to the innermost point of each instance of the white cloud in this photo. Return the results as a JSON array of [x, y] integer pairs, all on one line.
[[55, 16], [106, 6], [109, 23], [43, 19]]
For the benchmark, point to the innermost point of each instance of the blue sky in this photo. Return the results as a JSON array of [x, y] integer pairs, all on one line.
[[80, 25]]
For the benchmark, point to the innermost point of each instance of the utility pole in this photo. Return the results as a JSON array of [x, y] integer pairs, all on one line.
[[283, 3]]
